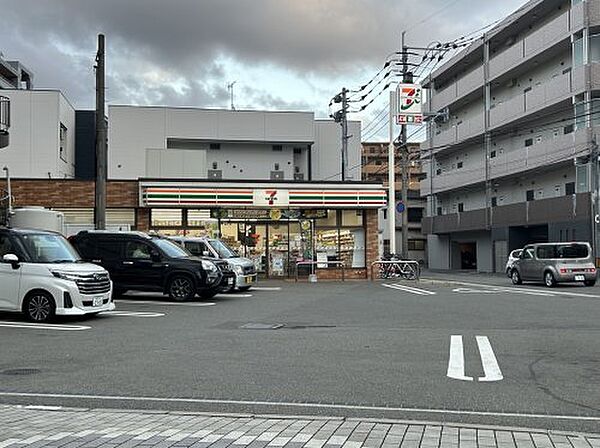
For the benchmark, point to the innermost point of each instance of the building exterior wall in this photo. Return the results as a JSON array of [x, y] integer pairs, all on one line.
[[35, 150], [326, 155], [503, 164]]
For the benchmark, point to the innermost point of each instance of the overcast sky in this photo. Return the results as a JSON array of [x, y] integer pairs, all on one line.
[[284, 54]]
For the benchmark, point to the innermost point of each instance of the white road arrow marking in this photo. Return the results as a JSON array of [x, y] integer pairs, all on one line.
[[456, 363], [410, 289], [491, 369]]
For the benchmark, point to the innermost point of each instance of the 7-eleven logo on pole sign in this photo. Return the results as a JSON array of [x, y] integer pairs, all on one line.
[[410, 107]]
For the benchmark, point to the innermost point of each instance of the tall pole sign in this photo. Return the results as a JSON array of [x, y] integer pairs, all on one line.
[[410, 104]]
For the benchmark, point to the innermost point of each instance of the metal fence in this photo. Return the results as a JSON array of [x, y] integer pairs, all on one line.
[[340, 264], [403, 269]]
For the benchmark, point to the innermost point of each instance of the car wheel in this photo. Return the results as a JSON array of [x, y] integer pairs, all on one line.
[[589, 282], [515, 277], [39, 307], [181, 288], [244, 288], [549, 280], [208, 294]]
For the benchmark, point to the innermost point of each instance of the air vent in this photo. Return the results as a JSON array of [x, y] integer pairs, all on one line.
[[298, 176], [277, 175], [215, 174]]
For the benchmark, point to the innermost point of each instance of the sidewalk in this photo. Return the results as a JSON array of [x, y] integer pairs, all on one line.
[[495, 278], [37, 427]]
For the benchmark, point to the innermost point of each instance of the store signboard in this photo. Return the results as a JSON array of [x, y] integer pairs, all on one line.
[[410, 104], [194, 196], [271, 198], [266, 214]]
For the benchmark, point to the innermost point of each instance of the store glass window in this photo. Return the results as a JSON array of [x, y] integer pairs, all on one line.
[[327, 246], [329, 221], [352, 218], [161, 217], [352, 247]]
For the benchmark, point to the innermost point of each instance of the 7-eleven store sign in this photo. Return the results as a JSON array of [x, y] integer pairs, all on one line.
[[193, 196]]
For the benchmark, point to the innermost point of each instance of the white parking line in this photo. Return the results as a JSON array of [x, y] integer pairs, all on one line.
[[410, 289], [491, 369], [132, 313], [266, 288], [34, 326], [340, 406], [227, 296], [157, 303], [456, 363]]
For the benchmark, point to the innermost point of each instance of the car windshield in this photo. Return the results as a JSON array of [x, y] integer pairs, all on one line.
[[171, 249], [49, 248], [564, 251], [223, 249]]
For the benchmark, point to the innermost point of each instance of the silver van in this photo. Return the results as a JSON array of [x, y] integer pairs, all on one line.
[[555, 263]]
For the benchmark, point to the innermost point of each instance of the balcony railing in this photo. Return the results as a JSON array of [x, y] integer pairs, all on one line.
[[545, 37], [563, 208], [4, 120]]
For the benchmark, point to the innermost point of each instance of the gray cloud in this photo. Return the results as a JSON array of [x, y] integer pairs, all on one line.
[[168, 51]]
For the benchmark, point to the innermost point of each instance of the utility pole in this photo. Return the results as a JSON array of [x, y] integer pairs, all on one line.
[[101, 139], [594, 184], [406, 78], [344, 134]]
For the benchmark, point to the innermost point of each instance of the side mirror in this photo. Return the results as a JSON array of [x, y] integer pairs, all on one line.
[[12, 259], [206, 253]]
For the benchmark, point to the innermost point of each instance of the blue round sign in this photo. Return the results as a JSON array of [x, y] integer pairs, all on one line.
[[400, 207]]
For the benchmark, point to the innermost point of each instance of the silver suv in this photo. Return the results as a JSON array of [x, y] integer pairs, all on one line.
[[555, 263]]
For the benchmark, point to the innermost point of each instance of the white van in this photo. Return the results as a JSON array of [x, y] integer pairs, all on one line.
[[42, 275]]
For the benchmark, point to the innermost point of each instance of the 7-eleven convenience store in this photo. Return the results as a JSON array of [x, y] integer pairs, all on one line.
[[275, 224]]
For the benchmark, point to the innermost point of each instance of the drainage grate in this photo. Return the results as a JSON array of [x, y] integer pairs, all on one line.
[[260, 326], [20, 371]]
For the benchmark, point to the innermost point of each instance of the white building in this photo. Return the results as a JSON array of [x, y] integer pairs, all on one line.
[[42, 135], [168, 142]]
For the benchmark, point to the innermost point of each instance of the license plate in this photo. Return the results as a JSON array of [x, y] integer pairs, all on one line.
[[579, 278], [98, 301], [249, 279]]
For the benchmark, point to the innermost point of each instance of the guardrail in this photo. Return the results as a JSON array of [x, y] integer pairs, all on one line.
[[313, 263], [404, 269]]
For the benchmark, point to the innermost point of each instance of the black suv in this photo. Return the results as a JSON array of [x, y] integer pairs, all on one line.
[[141, 262]]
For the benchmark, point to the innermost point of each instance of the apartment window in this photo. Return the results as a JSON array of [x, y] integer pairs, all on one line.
[[439, 211], [580, 115], [416, 245], [570, 188], [63, 143], [493, 154], [459, 165], [568, 129], [581, 176], [494, 201], [461, 207], [215, 146], [529, 195], [277, 148], [529, 142], [595, 48]]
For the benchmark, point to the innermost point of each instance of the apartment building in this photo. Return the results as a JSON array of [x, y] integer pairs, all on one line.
[[375, 170], [511, 164], [14, 75]]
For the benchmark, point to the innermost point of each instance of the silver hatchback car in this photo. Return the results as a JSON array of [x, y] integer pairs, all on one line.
[[555, 263]]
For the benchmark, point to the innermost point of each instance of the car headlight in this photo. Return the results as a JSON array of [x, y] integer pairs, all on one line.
[[210, 267], [65, 276], [238, 270]]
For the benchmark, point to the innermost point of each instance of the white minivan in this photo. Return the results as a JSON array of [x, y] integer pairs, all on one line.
[[42, 275]]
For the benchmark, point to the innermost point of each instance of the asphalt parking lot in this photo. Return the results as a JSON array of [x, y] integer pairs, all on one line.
[[470, 352]]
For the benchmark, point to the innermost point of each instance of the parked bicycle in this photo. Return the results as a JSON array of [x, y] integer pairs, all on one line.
[[393, 266]]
